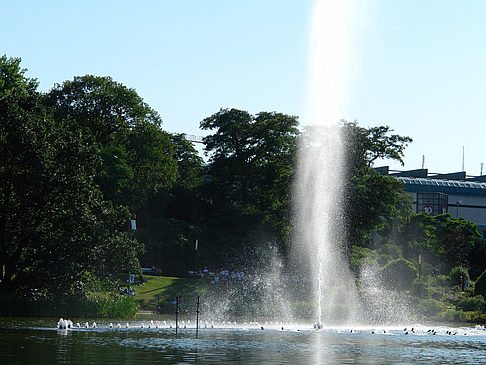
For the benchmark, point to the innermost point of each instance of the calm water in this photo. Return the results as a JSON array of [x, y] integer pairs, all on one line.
[[38, 342]]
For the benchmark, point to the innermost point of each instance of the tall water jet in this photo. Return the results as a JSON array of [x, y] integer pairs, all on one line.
[[320, 169]]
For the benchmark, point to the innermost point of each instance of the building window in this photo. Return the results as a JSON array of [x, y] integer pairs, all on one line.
[[432, 203]]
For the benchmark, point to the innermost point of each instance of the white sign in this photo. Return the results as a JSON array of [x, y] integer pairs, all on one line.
[[429, 209]]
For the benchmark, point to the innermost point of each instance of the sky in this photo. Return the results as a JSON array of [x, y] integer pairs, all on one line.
[[416, 66]]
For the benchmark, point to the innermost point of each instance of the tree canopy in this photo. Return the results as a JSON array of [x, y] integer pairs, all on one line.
[[55, 226], [119, 122], [251, 163], [78, 161]]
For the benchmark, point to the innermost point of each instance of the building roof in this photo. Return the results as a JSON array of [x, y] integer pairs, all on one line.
[[424, 185], [422, 181]]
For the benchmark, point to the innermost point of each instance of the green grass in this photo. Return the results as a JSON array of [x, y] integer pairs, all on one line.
[[162, 290]]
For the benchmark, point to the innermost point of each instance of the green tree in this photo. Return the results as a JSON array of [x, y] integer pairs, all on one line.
[[151, 157], [275, 167], [447, 239], [374, 202], [186, 199], [399, 274], [251, 164], [22, 150], [371, 201], [189, 164], [480, 286], [231, 152], [115, 177], [117, 118], [366, 145], [100, 106], [55, 228]]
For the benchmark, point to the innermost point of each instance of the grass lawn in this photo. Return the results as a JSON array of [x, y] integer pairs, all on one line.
[[163, 290]]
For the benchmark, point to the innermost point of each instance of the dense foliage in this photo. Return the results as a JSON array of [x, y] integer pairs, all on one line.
[[78, 161], [56, 228]]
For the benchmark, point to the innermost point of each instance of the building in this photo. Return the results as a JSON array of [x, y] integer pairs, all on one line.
[[455, 193]]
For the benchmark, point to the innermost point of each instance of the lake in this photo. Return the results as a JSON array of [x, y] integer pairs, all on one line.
[[37, 341]]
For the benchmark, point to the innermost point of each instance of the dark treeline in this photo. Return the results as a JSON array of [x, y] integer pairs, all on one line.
[[78, 161]]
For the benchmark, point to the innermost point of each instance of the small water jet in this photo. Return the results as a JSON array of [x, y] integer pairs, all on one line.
[[64, 324]]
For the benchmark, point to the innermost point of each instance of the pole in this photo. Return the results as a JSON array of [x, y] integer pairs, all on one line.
[[197, 317], [463, 158], [177, 314], [420, 265]]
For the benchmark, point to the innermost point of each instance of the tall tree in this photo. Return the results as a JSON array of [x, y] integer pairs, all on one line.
[[119, 120], [372, 201], [54, 225], [186, 200], [231, 151], [251, 164], [108, 110], [443, 238], [275, 166], [366, 145]]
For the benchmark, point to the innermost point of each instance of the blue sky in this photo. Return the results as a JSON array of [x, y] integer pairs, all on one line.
[[418, 66]]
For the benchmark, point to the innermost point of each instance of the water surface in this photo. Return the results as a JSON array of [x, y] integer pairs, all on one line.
[[27, 341]]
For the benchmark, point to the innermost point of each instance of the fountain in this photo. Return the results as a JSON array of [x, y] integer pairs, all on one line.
[[318, 188], [318, 247]]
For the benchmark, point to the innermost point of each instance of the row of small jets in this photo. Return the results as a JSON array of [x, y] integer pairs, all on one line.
[[68, 324]]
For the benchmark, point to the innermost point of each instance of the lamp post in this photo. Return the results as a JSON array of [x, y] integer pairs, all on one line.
[[459, 202], [420, 266], [132, 227]]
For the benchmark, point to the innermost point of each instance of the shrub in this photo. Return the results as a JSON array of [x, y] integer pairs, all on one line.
[[472, 304], [391, 250], [361, 256], [480, 286], [441, 280], [62, 306], [476, 317], [115, 306], [420, 289], [432, 307], [451, 315], [399, 274], [458, 274]]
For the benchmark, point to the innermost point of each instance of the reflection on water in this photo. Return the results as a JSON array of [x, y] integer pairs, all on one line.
[[37, 342]]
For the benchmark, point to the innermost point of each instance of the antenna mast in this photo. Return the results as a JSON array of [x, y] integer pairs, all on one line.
[[463, 158]]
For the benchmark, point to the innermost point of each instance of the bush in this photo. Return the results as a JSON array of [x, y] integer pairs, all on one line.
[[67, 306], [432, 307], [451, 315], [361, 256], [476, 317], [393, 251], [480, 286], [458, 274], [399, 274], [472, 304], [420, 289], [115, 306], [441, 280]]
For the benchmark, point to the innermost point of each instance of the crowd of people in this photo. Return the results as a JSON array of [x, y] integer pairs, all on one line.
[[221, 276], [225, 276]]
